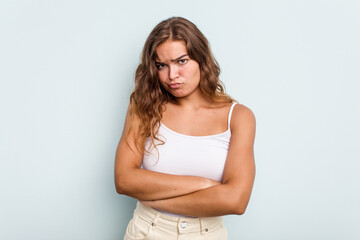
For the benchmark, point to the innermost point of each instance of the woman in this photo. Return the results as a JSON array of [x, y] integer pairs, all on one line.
[[178, 128]]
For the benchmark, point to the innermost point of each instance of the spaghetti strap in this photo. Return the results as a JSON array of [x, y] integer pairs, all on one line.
[[230, 113]]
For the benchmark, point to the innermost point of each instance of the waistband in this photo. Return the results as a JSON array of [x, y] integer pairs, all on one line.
[[178, 224]]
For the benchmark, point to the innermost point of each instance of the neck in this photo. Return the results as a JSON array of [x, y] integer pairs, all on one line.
[[193, 102]]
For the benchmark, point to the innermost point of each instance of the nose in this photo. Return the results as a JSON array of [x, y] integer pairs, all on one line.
[[173, 72]]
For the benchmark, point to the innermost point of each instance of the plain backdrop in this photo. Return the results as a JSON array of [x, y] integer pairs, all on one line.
[[67, 70]]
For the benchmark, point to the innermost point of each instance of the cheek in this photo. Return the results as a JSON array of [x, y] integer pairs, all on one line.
[[193, 72], [162, 76]]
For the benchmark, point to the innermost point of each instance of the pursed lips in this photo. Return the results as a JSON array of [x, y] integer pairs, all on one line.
[[174, 85]]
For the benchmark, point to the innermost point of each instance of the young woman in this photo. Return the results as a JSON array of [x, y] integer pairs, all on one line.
[[186, 152]]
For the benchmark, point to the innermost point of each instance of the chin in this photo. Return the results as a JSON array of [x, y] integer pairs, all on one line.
[[177, 93]]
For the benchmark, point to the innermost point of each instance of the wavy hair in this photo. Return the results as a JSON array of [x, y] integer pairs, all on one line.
[[148, 99]]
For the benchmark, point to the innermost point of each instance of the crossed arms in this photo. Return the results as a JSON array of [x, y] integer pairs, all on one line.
[[192, 195]]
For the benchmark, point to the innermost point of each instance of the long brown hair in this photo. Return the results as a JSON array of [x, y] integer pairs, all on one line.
[[149, 97]]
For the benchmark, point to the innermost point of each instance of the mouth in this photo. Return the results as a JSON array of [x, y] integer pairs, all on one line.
[[175, 85]]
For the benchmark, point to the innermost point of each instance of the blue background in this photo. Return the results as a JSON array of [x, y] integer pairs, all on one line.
[[67, 70]]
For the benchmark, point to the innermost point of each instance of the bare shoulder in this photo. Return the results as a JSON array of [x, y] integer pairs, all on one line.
[[131, 124], [242, 119]]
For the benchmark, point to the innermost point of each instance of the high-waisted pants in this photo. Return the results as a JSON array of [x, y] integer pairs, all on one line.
[[150, 224]]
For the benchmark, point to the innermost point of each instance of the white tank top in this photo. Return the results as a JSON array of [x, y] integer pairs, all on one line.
[[202, 156]]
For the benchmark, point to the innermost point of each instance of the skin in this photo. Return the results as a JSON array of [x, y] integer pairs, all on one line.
[[175, 66], [191, 114]]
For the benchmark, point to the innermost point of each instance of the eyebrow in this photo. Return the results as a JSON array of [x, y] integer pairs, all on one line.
[[176, 59]]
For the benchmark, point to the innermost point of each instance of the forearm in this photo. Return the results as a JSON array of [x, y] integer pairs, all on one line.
[[214, 201], [143, 184]]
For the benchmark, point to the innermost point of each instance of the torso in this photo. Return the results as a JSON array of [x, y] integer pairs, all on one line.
[[196, 142]]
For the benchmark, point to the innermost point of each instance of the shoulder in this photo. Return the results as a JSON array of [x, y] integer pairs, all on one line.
[[132, 121], [242, 119], [240, 110]]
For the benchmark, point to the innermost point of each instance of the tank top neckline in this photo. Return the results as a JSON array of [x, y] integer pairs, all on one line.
[[202, 136], [192, 136]]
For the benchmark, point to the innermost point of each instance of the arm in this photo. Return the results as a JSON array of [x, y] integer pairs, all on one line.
[[143, 184], [232, 196]]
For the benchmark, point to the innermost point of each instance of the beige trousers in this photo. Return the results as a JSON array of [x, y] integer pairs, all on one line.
[[150, 224]]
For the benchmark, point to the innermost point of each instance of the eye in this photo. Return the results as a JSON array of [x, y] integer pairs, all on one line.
[[160, 65], [182, 61]]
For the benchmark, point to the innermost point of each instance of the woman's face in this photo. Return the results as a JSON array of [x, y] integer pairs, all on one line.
[[178, 74]]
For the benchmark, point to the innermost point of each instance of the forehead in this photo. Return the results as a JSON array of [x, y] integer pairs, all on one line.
[[170, 50]]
